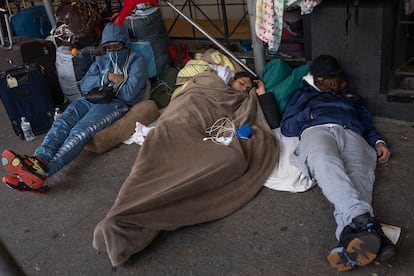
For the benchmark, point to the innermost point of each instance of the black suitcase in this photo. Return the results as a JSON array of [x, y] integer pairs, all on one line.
[[16, 51], [24, 92]]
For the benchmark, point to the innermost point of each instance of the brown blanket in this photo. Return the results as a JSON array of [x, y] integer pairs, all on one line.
[[178, 179]]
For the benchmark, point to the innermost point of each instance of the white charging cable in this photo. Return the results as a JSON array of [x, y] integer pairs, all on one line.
[[221, 132]]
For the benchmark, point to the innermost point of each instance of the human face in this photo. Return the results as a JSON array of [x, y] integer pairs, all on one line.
[[332, 84], [242, 85], [114, 46]]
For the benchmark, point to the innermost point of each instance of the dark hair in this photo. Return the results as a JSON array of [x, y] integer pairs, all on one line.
[[325, 66], [243, 74]]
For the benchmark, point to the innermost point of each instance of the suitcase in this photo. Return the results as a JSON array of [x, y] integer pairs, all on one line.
[[24, 92], [16, 51]]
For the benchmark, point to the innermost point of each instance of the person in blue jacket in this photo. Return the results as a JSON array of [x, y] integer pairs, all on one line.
[[119, 68], [339, 148]]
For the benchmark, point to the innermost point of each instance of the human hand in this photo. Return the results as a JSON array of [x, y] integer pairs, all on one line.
[[383, 153], [260, 90], [115, 78]]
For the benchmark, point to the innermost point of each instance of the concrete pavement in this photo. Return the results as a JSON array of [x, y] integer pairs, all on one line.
[[277, 233]]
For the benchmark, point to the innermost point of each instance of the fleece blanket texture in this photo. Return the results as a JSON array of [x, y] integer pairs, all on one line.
[[178, 179]]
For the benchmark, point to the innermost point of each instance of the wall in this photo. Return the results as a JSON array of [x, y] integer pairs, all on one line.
[[365, 50]]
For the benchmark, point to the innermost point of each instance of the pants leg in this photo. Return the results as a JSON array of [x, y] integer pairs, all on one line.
[[74, 128], [61, 128], [343, 165]]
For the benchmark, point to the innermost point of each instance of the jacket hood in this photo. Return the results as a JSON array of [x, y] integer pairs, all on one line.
[[114, 33]]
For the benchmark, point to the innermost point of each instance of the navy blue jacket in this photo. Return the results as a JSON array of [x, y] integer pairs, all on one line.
[[325, 108]]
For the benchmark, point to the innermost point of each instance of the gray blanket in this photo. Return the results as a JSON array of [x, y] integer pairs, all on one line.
[[178, 179]]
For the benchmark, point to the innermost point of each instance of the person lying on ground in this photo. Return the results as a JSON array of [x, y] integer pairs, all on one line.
[[215, 170], [119, 68], [339, 148], [243, 82]]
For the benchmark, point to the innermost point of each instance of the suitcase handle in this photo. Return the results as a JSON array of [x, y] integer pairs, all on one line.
[[21, 73], [9, 34]]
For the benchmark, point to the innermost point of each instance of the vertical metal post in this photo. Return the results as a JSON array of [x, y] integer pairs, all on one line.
[[50, 12], [225, 23], [257, 44]]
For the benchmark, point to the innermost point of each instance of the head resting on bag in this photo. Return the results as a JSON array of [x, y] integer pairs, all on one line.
[[328, 75], [325, 66], [114, 33]]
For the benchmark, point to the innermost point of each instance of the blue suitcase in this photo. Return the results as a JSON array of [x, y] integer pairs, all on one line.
[[24, 92]]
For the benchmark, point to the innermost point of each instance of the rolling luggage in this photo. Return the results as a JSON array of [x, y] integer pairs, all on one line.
[[16, 51], [24, 92]]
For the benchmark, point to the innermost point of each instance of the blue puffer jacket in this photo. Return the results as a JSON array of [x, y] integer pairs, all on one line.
[[325, 108], [136, 79]]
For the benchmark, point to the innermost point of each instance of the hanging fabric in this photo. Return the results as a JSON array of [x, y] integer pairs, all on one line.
[[269, 18]]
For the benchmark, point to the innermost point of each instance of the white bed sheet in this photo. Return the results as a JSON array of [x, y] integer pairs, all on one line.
[[286, 176]]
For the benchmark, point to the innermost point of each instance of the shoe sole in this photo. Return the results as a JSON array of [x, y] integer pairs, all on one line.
[[360, 251], [14, 183], [15, 164]]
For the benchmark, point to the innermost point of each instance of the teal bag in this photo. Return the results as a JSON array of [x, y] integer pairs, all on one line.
[[282, 80]]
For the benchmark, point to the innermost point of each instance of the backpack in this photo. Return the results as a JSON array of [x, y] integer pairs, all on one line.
[[78, 24], [164, 86]]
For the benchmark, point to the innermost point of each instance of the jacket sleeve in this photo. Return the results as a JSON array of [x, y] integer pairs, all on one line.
[[136, 83], [296, 115], [93, 78], [270, 110], [370, 134]]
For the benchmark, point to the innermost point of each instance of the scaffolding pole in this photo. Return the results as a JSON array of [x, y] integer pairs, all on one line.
[[224, 49], [257, 44], [50, 12]]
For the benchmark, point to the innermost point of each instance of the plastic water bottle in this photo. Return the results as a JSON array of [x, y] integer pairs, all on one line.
[[57, 113], [27, 129]]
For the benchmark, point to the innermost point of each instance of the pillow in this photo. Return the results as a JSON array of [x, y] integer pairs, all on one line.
[[213, 56], [191, 68], [145, 112], [283, 81]]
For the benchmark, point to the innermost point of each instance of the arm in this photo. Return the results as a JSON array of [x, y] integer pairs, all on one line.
[[296, 114], [373, 137], [136, 82], [268, 104], [92, 78]]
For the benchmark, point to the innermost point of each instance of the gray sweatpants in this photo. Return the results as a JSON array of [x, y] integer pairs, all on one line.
[[343, 165]]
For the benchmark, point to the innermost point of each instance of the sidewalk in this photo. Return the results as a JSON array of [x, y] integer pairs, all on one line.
[[277, 233]]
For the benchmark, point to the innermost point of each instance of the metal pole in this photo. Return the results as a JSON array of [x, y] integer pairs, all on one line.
[[225, 22], [230, 54], [50, 12], [257, 44]]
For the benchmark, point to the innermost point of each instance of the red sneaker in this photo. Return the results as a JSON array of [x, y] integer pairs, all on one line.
[[31, 170], [14, 182]]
